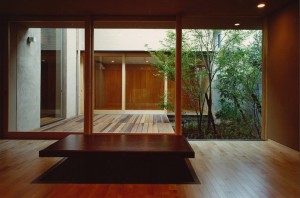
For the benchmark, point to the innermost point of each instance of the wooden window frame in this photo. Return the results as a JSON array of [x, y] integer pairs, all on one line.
[[88, 22]]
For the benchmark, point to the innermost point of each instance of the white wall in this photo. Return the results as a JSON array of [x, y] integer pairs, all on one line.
[[126, 39]]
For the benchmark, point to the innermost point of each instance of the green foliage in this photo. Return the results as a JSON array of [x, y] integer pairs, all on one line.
[[237, 65], [166, 104], [238, 82]]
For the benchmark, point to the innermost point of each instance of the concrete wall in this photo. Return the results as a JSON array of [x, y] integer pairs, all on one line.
[[70, 74], [25, 75], [24, 80], [282, 76]]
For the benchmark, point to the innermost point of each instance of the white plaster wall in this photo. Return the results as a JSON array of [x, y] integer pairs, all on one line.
[[126, 39], [70, 73], [28, 77]]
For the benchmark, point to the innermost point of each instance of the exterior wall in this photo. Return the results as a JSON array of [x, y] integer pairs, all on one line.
[[126, 39], [24, 80], [282, 77], [70, 74]]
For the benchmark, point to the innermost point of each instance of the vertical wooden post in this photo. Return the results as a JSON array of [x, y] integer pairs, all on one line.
[[178, 129], [123, 83], [88, 77], [264, 129], [5, 49]]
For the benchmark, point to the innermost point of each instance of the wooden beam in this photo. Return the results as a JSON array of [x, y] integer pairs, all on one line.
[[88, 77], [264, 129], [5, 35], [123, 83], [178, 129]]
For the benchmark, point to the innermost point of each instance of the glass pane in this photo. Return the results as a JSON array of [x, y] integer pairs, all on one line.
[[45, 75], [51, 75], [221, 77], [129, 90]]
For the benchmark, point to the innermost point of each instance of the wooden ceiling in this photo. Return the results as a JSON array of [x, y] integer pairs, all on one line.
[[195, 13]]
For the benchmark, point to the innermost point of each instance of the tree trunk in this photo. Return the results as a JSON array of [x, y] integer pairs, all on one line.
[[256, 102], [239, 108], [210, 120], [199, 117]]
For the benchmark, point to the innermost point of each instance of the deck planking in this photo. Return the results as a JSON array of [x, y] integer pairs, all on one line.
[[115, 123]]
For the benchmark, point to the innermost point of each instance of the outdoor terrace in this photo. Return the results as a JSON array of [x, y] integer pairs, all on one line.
[[115, 123]]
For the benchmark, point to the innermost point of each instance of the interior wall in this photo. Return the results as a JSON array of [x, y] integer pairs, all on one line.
[[282, 81], [2, 32]]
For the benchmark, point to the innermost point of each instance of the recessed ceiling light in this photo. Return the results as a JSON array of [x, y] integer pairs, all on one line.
[[236, 24], [112, 61], [261, 5]]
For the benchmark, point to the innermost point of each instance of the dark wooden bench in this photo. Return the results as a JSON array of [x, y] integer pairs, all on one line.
[[121, 159], [116, 145]]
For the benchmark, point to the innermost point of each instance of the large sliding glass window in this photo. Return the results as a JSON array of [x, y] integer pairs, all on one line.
[[45, 78], [129, 89], [46, 81], [51, 75], [221, 84]]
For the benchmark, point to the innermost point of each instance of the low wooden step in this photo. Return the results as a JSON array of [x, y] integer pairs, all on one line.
[[120, 145]]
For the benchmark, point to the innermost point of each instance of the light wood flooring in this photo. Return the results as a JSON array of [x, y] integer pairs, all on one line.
[[115, 123], [225, 169]]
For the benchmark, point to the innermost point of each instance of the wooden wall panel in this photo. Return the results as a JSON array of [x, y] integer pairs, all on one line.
[[108, 87], [282, 73], [2, 77], [143, 89]]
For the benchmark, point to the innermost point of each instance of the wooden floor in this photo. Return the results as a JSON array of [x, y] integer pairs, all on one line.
[[48, 120], [224, 168], [116, 123]]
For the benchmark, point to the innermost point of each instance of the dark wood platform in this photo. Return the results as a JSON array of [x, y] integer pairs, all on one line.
[[116, 145], [120, 159]]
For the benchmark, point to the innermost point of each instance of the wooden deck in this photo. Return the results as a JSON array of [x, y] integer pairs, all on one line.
[[115, 123]]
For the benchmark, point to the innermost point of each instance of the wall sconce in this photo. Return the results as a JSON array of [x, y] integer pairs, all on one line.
[[30, 39]]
